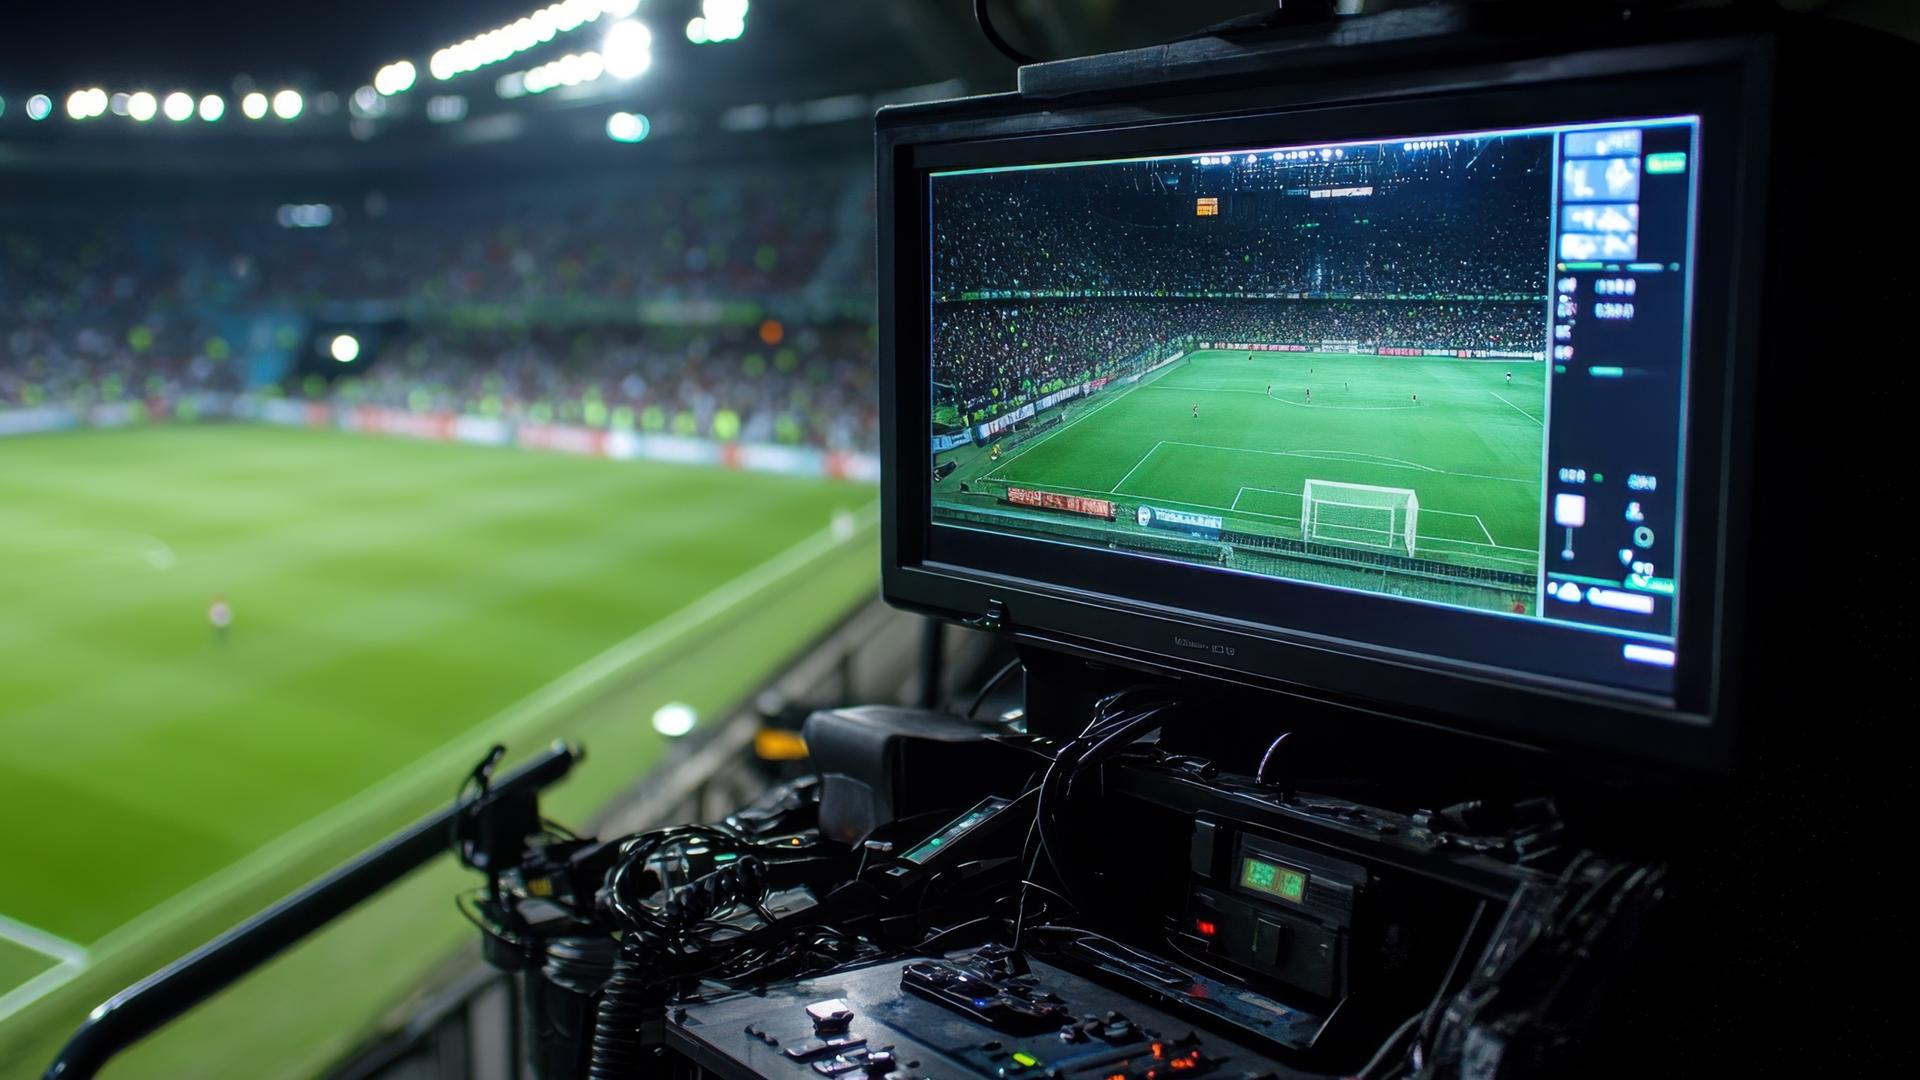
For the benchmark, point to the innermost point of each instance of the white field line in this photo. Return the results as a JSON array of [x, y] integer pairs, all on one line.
[[1517, 408], [992, 474], [1136, 467], [38, 940], [40, 986], [453, 757], [1385, 463]]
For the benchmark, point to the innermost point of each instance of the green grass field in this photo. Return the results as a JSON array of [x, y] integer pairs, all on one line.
[[1457, 433], [398, 606]]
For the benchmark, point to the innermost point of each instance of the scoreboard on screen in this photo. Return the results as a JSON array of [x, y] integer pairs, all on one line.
[[1206, 206]]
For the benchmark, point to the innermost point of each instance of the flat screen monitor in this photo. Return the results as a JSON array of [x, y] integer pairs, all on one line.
[[1409, 389]]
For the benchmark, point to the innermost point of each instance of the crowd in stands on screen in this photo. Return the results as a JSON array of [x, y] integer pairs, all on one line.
[[989, 355], [1462, 227]]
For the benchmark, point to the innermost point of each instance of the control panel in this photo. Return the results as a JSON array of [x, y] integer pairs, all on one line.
[[984, 1013]]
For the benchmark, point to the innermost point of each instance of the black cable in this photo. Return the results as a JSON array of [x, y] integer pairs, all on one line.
[[1384, 1054], [985, 19], [998, 677], [1431, 1013]]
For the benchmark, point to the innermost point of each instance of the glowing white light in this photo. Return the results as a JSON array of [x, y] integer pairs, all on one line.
[[287, 104], [719, 20], [82, 104], [344, 348], [39, 107], [142, 106], [178, 106], [674, 719], [619, 9], [254, 105], [212, 107], [627, 49], [117, 104], [396, 78], [627, 127]]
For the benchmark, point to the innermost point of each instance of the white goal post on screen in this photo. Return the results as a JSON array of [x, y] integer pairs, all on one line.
[[1378, 517]]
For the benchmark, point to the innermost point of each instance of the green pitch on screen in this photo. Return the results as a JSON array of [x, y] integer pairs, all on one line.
[[1465, 436]]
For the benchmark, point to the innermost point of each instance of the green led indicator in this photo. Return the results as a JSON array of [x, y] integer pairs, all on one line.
[[1282, 881], [1025, 1059], [1667, 164], [1606, 372]]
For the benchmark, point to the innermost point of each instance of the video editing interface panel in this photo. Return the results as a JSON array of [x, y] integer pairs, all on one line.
[[1447, 369]]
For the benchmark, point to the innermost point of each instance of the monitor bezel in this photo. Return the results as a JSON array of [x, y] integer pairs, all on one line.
[[1723, 83]]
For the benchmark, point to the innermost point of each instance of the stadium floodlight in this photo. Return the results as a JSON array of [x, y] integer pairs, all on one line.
[[254, 105], [287, 104], [627, 49], [39, 107], [178, 106], [86, 104], [117, 104], [627, 127], [675, 719], [212, 107], [344, 347], [142, 106], [719, 20], [395, 78], [523, 34], [1381, 517]]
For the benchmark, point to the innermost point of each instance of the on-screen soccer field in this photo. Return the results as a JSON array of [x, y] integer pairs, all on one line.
[[1466, 441], [397, 607]]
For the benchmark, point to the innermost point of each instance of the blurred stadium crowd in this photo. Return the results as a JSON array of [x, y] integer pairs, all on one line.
[[993, 353], [722, 305]]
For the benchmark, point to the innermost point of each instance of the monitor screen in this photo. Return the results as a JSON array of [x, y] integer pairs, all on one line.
[[1446, 371]]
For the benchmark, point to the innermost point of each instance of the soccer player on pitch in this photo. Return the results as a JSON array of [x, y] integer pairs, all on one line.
[[220, 617], [1309, 395], [1509, 378], [1196, 410]]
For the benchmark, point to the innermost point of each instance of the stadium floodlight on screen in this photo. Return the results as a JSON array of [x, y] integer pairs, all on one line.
[[1365, 400]]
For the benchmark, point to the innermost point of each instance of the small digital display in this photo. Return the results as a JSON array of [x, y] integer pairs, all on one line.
[[966, 823], [1282, 881], [1448, 370]]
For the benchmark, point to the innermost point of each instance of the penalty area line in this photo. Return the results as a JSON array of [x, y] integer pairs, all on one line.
[[454, 757], [1516, 408], [37, 940]]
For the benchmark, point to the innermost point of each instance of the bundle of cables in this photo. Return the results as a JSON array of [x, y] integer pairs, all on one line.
[[672, 936], [1119, 720]]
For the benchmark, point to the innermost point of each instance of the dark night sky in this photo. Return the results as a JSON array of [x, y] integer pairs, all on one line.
[[204, 44]]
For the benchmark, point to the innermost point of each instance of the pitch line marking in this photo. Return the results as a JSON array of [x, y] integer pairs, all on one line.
[[1368, 459], [37, 940], [1517, 408], [451, 757], [1063, 427], [1483, 528], [1115, 489], [40, 986]]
